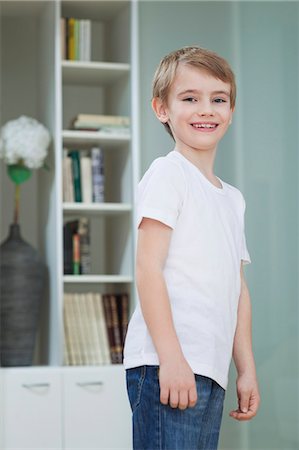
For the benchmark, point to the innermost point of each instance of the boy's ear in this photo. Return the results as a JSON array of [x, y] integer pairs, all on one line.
[[160, 109]]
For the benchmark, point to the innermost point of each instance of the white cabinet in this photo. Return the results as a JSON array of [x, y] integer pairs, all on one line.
[[32, 409], [96, 409], [63, 408]]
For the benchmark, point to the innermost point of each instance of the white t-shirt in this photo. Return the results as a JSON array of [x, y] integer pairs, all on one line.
[[202, 269]]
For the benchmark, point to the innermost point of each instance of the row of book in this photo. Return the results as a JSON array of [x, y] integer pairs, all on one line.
[[100, 122], [83, 175], [76, 247], [75, 39], [95, 327]]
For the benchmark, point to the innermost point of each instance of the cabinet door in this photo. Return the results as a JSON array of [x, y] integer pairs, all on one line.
[[32, 409], [96, 409]]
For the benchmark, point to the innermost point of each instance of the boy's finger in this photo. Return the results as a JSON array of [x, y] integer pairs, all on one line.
[[164, 395], [192, 397], [183, 400], [239, 415], [244, 402], [174, 398]]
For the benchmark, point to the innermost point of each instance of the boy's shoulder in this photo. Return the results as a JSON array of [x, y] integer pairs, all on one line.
[[166, 166]]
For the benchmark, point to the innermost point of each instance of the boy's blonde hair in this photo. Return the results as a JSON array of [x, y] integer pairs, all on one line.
[[194, 56]]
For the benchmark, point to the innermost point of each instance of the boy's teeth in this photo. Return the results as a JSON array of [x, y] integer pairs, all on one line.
[[204, 125]]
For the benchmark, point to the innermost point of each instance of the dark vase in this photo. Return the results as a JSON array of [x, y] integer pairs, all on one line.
[[22, 281]]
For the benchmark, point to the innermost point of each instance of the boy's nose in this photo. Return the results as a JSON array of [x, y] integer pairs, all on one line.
[[205, 109]]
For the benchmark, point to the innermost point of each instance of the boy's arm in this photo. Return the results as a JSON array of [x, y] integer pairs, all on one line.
[[177, 381], [247, 386]]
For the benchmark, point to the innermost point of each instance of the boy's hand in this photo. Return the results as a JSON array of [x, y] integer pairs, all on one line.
[[177, 384], [248, 397]]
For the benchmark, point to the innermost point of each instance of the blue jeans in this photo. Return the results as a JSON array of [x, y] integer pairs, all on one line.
[[160, 427]]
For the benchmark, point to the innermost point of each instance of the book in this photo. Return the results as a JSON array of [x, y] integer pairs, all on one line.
[[86, 177], [71, 38], [68, 354], [113, 328], [101, 327], [85, 253], [91, 323], [100, 120], [78, 312], [72, 330], [69, 228], [76, 40], [68, 184], [85, 40], [74, 154], [76, 254], [98, 178]]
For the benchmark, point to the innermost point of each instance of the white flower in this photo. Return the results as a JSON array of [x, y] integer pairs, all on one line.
[[25, 140]]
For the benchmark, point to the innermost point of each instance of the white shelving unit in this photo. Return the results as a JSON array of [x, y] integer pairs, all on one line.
[[63, 90], [98, 73]]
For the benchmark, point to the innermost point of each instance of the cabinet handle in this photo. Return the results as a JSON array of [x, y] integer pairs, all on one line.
[[36, 385], [90, 383]]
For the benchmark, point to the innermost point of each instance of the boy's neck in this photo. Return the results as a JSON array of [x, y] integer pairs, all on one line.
[[203, 160]]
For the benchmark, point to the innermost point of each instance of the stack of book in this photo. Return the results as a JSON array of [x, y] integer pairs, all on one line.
[[75, 39], [76, 247], [95, 327], [83, 175], [99, 122]]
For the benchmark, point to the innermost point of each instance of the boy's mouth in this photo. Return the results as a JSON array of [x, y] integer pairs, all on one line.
[[205, 126]]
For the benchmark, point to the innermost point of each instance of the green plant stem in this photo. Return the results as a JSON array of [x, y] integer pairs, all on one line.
[[17, 204]]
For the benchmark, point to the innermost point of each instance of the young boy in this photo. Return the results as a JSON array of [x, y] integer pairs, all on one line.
[[194, 306]]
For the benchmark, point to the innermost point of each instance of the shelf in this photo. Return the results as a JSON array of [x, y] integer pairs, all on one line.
[[97, 208], [99, 73], [97, 279], [111, 140]]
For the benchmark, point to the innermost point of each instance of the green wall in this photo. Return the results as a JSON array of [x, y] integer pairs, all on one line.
[[259, 155]]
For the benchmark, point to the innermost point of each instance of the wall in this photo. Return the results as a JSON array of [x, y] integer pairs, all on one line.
[[259, 155], [18, 38]]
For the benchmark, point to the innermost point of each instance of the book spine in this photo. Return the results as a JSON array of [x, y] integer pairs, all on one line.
[[79, 326], [92, 326], [66, 38], [71, 38], [116, 329], [81, 40], [85, 253], [98, 186], [68, 187], [77, 40], [102, 328], [74, 154], [86, 178], [109, 325], [87, 40], [69, 229], [68, 344], [76, 254]]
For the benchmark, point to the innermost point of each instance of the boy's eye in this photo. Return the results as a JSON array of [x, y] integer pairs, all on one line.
[[219, 100], [189, 99]]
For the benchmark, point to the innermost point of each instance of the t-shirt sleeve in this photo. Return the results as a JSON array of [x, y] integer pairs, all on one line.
[[161, 193], [245, 257]]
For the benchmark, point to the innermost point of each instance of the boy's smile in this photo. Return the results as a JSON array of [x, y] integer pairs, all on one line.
[[197, 109]]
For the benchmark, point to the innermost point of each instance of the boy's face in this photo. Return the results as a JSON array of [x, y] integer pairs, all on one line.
[[198, 109]]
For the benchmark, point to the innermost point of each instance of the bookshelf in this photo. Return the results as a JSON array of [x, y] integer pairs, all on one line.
[[92, 86], [62, 90]]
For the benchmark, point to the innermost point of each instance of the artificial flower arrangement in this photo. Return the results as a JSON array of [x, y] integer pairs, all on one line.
[[23, 146]]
